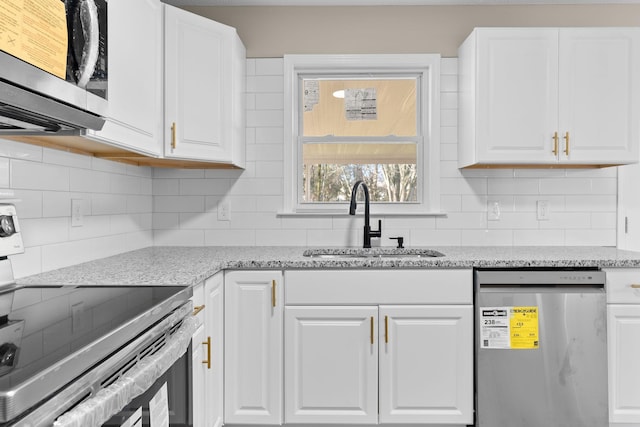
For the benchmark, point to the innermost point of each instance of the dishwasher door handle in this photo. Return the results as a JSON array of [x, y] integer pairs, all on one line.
[[534, 289]]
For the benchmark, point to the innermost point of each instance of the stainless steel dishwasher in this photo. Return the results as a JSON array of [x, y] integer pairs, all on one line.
[[541, 348]]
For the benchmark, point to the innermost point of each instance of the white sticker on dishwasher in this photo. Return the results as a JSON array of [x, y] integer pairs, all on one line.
[[159, 408], [134, 420], [494, 327]]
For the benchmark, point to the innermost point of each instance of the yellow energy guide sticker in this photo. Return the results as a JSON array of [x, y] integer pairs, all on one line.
[[509, 328], [36, 32], [524, 327]]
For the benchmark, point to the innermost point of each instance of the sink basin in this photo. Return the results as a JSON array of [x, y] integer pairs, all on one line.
[[371, 253]]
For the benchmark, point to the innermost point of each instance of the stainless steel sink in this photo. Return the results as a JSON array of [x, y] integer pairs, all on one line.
[[371, 253]]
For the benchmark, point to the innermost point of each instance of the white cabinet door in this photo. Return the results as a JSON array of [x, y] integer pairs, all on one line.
[[331, 369], [214, 326], [134, 117], [253, 347], [517, 95], [426, 364], [204, 84], [599, 94], [624, 368]]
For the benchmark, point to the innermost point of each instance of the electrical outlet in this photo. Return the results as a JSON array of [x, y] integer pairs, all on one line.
[[493, 210], [77, 219], [224, 210], [542, 210]]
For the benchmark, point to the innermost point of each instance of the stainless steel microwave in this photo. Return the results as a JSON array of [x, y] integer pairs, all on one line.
[[35, 99]]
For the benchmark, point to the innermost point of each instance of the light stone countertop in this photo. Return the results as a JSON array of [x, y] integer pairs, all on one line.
[[186, 266]]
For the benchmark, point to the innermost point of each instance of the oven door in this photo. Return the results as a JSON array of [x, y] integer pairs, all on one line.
[[169, 396]]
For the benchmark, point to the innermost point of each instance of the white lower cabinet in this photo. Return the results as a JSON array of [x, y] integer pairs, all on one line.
[[253, 347], [331, 365], [409, 362], [623, 327], [426, 367], [207, 353]]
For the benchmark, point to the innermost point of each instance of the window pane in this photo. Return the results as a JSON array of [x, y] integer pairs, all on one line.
[[330, 170], [371, 107]]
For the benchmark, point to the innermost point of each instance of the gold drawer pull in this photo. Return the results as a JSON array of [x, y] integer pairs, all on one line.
[[386, 329], [371, 329], [197, 309], [208, 344], [273, 293], [566, 146], [555, 143], [173, 135], [635, 286]]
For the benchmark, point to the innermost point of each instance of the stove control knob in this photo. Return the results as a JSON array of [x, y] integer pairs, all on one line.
[[8, 353], [6, 226]]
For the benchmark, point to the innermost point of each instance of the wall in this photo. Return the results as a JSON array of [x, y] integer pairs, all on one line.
[[270, 32], [582, 202], [116, 205]]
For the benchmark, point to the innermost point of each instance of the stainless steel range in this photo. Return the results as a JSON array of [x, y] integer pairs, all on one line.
[[66, 349]]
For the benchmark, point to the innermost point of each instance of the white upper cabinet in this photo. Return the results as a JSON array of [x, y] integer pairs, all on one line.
[[549, 96], [204, 89], [134, 119]]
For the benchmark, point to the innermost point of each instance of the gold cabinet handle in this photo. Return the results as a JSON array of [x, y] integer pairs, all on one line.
[[635, 286], [566, 144], [197, 309], [555, 143], [386, 329], [173, 135], [273, 293], [372, 330], [208, 344]]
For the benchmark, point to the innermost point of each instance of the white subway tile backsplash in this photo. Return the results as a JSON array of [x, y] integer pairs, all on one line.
[[436, 237], [63, 158], [39, 176], [567, 220], [201, 221], [274, 169], [178, 204], [229, 238], [262, 84], [177, 173], [449, 83], [265, 118], [178, 237], [565, 186], [93, 226], [537, 237], [280, 237], [449, 66], [204, 187], [269, 135], [269, 101], [18, 150], [166, 187], [58, 203], [108, 204], [29, 204], [462, 220], [462, 186], [513, 186], [487, 237], [89, 181], [125, 184], [44, 231], [265, 152], [590, 238], [165, 221]]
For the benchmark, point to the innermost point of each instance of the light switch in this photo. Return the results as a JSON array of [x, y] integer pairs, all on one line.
[[77, 218]]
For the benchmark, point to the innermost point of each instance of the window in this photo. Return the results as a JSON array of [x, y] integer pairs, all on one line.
[[361, 117]]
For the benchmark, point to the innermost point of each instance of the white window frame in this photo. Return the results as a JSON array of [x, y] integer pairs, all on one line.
[[426, 66]]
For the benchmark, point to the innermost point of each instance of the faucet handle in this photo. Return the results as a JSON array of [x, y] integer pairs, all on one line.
[[400, 240], [378, 232]]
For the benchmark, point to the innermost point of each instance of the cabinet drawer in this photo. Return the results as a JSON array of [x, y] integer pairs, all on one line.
[[378, 287], [623, 285]]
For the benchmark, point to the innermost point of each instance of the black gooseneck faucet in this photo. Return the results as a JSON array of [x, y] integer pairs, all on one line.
[[368, 234]]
